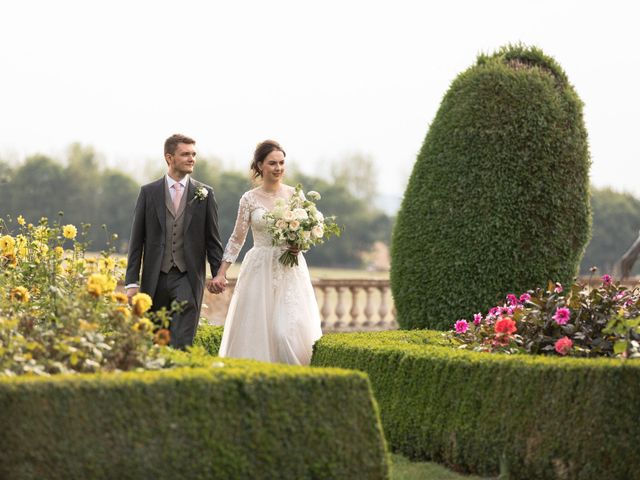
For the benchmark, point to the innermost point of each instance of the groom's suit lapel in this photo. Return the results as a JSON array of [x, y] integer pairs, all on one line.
[[159, 200], [188, 209]]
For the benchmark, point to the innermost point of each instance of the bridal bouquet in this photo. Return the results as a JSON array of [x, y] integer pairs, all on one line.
[[298, 223]]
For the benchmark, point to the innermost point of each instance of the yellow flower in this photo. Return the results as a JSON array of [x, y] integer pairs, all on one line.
[[7, 244], [141, 303], [12, 261], [162, 337], [120, 298], [122, 263], [21, 221], [59, 251], [97, 284], [94, 289], [143, 324], [21, 246], [69, 231], [40, 248], [124, 311], [109, 263], [19, 294], [41, 232]]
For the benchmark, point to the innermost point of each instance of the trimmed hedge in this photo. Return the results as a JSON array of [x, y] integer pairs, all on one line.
[[498, 199], [541, 417], [209, 337], [242, 420]]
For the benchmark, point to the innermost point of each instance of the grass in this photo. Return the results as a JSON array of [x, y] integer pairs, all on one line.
[[404, 469]]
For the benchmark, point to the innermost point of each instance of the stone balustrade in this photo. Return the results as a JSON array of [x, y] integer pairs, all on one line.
[[345, 305]]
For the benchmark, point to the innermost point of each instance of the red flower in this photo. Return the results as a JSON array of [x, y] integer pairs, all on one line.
[[505, 325], [563, 345]]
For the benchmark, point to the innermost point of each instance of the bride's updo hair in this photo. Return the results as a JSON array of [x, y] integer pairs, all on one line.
[[262, 150]]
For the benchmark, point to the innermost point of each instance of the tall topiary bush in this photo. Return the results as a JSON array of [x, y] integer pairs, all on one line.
[[498, 200]]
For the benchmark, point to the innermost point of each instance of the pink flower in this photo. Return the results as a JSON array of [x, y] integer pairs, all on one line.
[[558, 288], [505, 325], [606, 279], [562, 315], [525, 297], [494, 311], [512, 299], [618, 295], [477, 318], [563, 345], [461, 326]]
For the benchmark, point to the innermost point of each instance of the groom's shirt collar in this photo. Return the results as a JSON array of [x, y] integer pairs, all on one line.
[[171, 182]]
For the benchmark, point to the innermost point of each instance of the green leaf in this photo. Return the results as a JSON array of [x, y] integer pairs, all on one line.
[[620, 346]]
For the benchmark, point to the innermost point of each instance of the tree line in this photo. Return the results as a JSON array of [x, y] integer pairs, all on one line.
[[86, 192]]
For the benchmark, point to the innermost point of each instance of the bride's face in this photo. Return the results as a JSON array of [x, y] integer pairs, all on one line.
[[273, 167]]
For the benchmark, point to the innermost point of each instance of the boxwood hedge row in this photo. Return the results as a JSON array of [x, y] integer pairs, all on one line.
[[498, 199], [228, 419], [538, 417]]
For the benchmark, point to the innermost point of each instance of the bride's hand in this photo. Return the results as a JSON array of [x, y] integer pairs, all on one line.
[[293, 249], [217, 284]]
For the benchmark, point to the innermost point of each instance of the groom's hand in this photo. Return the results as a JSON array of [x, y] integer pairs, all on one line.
[[131, 291], [217, 284]]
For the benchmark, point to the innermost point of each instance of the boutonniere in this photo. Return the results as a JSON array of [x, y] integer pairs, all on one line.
[[200, 194]]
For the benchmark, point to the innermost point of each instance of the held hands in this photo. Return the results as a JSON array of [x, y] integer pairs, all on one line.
[[217, 284]]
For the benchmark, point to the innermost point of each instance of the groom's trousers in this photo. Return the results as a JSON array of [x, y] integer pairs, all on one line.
[[175, 285]]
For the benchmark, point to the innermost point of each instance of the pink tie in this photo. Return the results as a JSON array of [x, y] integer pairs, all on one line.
[[177, 196]]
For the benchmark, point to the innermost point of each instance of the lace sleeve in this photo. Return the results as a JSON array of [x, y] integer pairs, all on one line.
[[239, 235]]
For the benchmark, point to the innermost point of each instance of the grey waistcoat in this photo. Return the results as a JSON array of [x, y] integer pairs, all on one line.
[[174, 233]]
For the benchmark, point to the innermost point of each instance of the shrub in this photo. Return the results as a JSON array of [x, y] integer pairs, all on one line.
[[498, 197], [534, 416], [208, 337], [59, 311], [601, 321], [235, 419]]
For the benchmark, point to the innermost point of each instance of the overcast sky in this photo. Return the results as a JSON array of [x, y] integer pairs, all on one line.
[[326, 79]]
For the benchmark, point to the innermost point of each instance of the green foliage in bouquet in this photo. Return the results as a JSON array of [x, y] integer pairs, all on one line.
[[299, 224], [60, 311], [498, 199], [601, 321]]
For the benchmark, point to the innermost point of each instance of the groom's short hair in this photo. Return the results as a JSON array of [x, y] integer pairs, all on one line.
[[171, 143]]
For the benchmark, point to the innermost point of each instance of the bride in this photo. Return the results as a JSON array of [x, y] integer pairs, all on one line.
[[273, 315]]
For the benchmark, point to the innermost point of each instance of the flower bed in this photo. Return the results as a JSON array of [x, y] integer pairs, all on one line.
[[538, 416], [229, 419]]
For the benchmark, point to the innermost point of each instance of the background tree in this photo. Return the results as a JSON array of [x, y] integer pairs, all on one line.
[[616, 221], [498, 200]]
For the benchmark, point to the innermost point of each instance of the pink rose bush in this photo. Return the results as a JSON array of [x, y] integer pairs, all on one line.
[[575, 321]]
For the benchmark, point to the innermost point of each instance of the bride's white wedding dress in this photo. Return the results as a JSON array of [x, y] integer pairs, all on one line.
[[273, 315]]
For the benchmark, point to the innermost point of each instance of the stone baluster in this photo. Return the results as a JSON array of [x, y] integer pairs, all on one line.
[[341, 308], [369, 311], [383, 310], [355, 308], [325, 311]]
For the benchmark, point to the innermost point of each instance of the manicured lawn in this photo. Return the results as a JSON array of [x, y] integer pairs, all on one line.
[[404, 469]]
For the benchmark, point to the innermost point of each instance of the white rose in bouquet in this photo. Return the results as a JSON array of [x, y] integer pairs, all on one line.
[[294, 225], [288, 215], [317, 231], [300, 214]]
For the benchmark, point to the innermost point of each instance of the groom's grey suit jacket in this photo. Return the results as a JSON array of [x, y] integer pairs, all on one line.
[[147, 245]]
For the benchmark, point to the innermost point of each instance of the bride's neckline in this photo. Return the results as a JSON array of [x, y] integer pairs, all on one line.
[[271, 194]]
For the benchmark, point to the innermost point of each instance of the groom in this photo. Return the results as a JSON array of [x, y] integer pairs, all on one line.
[[174, 234]]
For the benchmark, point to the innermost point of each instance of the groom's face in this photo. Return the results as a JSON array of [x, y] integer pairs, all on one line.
[[182, 161]]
